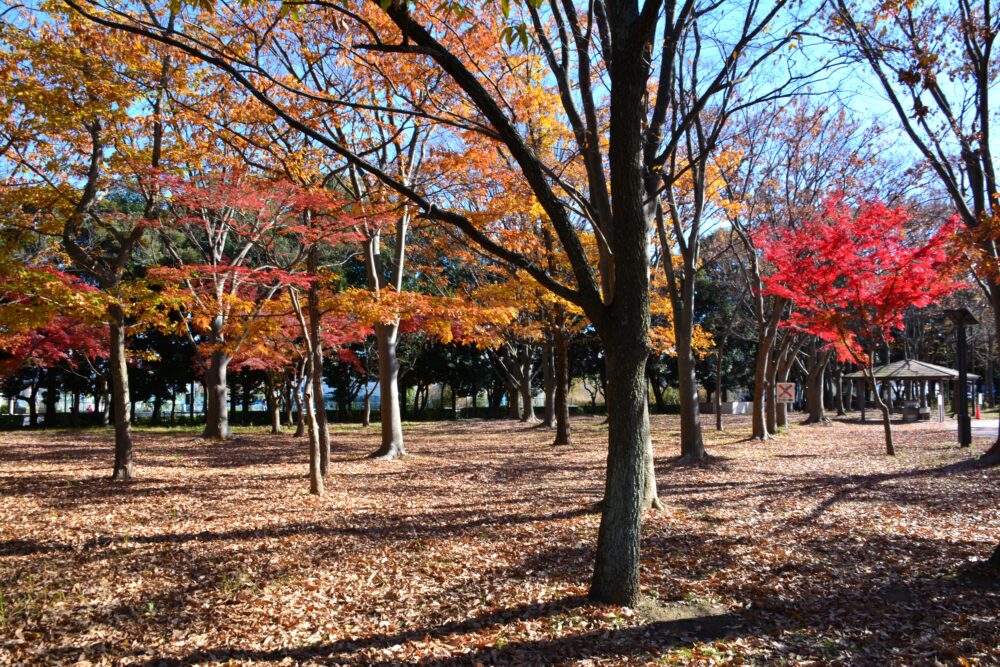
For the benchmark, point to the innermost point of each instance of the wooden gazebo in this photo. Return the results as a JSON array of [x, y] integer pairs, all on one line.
[[913, 375]]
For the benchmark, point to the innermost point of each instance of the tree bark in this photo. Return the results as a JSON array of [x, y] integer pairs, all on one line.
[[315, 446], [217, 397], [316, 362], [838, 387], [616, 570], [273, 404], [527, 398], [761, 429], [548, 386], [123, 469], [386, 337], [623, 325], [814, 386], [513, 402], [692, 444], [561, 399], [883, 407]]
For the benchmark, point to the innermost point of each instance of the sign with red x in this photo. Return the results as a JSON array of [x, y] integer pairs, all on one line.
[[786, 392]]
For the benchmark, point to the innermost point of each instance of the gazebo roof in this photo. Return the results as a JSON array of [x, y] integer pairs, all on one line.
[[910, 369]]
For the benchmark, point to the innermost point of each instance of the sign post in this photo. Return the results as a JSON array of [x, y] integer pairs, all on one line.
[[962, 318], [786, 392]]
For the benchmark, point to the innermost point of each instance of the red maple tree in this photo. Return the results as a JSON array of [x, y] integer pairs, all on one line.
[[851, 274]]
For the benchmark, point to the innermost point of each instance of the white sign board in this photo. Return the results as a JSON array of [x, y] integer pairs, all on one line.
[[786, 392]]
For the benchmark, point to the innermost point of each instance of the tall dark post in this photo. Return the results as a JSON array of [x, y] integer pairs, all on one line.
[[962, 317]]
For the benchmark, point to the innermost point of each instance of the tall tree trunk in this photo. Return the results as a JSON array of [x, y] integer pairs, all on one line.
[[883, 407], [300, 415], [761, 429], [157, 417], [838, 388], [217, 397], [623, 325], [548, 387], [75, 409], [653, 376], [33, 401], [616, 570], [315, 446], [561, 377], [815, 385], [273, 404], [527, 395], [513, 401], [386, 337], [51, 396], [316, 352], [692, 444], [120, 395]]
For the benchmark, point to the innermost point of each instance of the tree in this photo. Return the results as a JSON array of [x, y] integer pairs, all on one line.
[[936, 63], [623, 142], [851, 275], [80, 127]]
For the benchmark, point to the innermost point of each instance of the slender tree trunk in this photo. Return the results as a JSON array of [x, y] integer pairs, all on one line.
[[513, 402], [815, 385], [650, 495], [527, 397], [883, 407], [692, 444], [548, 387], [315, 446], [300, 416], [33, 402], [245, 397], [273, 405], [316, 351], [653, 375], [762, 388], [838, 387], [75, 409], [366, 414], [217, 397], [561, 378], [51, 396], [386, 337], [123, 470]]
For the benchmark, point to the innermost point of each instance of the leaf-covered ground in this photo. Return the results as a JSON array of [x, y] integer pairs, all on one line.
[[813, 548]]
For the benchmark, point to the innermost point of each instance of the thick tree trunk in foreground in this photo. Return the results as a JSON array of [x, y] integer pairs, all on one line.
[[616, 571], [120, 396], [388, 373], [623, 326], [217, 397], [561, 354]]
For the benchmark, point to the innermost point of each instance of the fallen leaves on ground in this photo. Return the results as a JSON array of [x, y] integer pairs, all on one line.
[[810, 549]]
